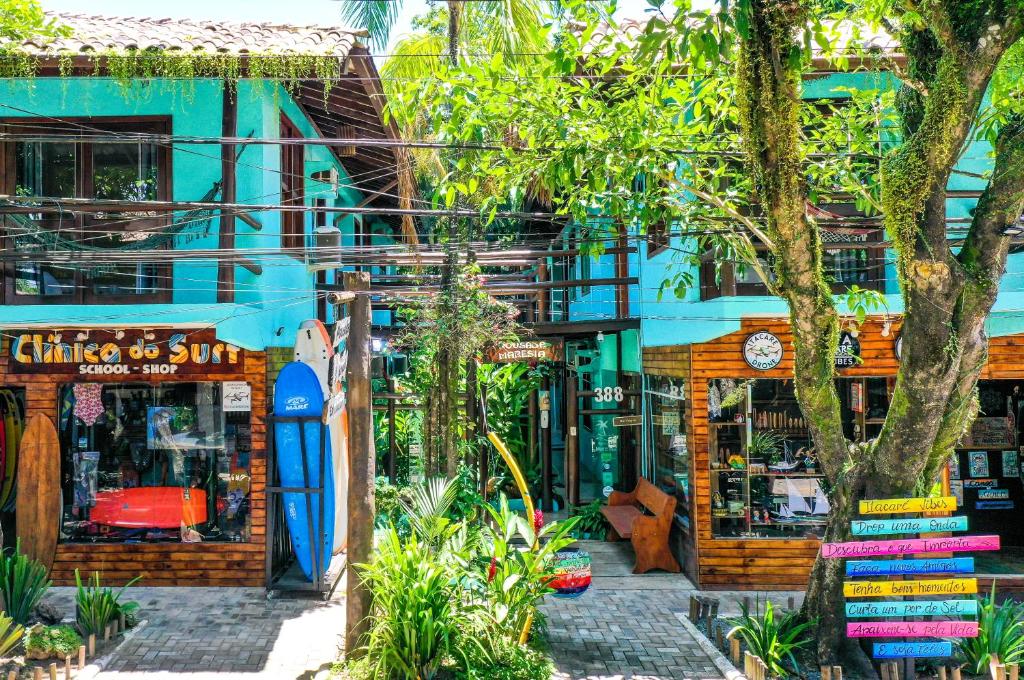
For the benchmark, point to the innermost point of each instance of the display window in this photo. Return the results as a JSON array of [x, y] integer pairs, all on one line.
[[765, 478], [148, 462], [666, 428]]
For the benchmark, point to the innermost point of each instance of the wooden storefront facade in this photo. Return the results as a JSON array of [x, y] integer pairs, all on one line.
[[752, 563], [164, 561]]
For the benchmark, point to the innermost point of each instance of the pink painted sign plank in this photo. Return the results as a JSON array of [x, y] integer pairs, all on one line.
[[963, 629], [909, 546]]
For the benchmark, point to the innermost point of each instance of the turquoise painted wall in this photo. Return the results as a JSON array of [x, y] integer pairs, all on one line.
[[268, 307]]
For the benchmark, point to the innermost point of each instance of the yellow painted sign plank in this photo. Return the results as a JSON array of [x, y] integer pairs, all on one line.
[[949, 586], [887, 506]]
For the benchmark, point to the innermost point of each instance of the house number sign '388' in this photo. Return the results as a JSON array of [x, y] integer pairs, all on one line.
[[608, 394], [762, 350]]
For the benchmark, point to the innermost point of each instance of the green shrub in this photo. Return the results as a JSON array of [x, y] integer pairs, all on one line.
[[52, 641], [10, 635], [591, 521], [417, 614], [1000, 635], [772, 639], [510, 662], [23, 582], [97, 606]]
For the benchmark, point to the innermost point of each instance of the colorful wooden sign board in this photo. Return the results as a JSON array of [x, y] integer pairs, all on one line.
[[916, 566]]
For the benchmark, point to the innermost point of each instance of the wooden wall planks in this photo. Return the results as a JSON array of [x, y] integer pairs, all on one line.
[[167, 564]]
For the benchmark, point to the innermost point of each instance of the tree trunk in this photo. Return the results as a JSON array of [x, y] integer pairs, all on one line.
[[454, 27]]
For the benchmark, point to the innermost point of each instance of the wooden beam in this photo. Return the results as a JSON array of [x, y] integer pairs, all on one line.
[[226, 238], [358, 599]]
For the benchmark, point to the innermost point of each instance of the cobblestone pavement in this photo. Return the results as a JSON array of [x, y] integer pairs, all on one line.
[[223, 633], [627, 626]]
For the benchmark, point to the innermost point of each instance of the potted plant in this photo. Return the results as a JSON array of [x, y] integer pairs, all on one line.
[[592, 523]]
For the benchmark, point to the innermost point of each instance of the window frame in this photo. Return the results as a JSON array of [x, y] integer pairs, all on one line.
[[293, 188], [73, 127]]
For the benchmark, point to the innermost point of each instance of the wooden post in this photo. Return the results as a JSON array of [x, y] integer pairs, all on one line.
[[472, 432], [956, 673], [226, 237], [1000, 671], [37, 673], [545, 452], [826, 673], [719, 637], [746, 603], [361, 460], [392, 433], [748, 665], [837, 673], [81, 657], [106, 632], [485, 451], [92, 644], [694, 608], [572, 440], [734, 649], [12, 675], [1014, 671], [67, 668], [122, 622], [791, 603], [53, 671], [942, 673]]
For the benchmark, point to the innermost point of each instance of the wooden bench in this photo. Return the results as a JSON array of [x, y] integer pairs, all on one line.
[[648, 533]]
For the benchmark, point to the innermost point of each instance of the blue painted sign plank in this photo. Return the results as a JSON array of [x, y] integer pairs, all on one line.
[[915, 525], [899, 650], [950, 565], [994, 494], [860, 610], [993, 505]]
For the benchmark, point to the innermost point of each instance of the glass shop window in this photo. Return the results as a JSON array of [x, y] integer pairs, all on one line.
[[131, 171], [666, 423], [153, 463]]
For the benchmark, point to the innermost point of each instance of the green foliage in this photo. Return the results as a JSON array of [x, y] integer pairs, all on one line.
[[591, 521], [417, 617], [766, 445], [11, 634], [451, 597], [772, 639], [51, 641], [1000, 635], [23, 582], [97, 606], [22, 20]]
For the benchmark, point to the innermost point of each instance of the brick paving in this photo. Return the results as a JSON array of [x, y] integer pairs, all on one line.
[[627, 627], [224, 633]]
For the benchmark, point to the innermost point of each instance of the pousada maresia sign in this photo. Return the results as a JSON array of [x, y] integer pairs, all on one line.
[[93, 352], [524, 351]]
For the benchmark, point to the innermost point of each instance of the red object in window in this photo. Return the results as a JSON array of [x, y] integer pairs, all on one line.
[[150, 507]]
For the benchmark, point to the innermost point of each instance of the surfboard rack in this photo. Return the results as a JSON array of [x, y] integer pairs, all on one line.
[[288, 580]]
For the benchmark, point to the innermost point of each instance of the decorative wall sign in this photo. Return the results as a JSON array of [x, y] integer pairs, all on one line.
[[912, 608], [980, 483], [136, 352], [1010, 466], [993, 505], [912, 650], [848, 351], [909, 546], [937, 565], [877, 527], [236, 396], [991, 432], [967, 629], [954, 466], [946, 586], [956, 487], [993, 494], [525, 351], [978, 463], [762, 350], [891, 506]]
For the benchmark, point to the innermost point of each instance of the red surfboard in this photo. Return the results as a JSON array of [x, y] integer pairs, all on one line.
[[150, 507]]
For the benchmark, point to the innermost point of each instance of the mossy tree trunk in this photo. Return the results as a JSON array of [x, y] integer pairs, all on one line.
[[948, 295]]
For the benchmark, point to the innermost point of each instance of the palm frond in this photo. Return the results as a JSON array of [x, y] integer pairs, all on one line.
[[515, 28], [377, 17]]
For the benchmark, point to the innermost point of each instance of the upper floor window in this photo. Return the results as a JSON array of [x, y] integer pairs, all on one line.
[[293, 186], [91, 166]]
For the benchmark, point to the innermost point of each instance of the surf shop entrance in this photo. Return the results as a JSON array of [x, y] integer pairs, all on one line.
[[148, 454]]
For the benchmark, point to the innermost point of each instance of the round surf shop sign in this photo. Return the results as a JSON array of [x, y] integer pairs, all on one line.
[[95, 352], [762, 350]]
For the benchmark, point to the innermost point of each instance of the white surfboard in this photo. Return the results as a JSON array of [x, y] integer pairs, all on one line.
[[314, 346]]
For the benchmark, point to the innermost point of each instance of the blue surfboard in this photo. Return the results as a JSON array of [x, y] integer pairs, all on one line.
[[297, 392]]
